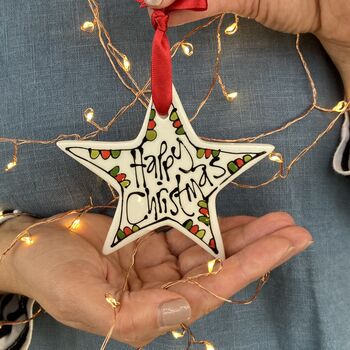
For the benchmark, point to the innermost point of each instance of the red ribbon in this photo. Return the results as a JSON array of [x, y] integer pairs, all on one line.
[[161, 71]]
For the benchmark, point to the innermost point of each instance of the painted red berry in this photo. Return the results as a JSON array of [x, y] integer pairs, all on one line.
[[151, 125], [239, 163], [207, 153], [105, 154], [204, 211], [127, 231], [194, 229], [120, 177], [177, 123], [212, 244]]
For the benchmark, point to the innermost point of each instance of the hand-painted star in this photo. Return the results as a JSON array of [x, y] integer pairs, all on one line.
[[167, 176]]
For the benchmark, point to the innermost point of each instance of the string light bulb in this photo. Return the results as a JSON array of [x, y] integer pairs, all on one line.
[[11, 165], [341, 107], [75, 224], [209, 346], [230, 97], [211, 265], [88, 27], [111, 300], [276, 157], [232, 29], [187, 49], [89, 114], [126, 64], [27, 238], [177, 335]]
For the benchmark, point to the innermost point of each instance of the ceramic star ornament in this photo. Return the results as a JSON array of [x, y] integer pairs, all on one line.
[[167, 176]]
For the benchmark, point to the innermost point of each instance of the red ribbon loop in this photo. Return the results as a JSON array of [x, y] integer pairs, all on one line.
[[161, 74]]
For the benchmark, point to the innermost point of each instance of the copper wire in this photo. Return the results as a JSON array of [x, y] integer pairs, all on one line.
[[115, 57]]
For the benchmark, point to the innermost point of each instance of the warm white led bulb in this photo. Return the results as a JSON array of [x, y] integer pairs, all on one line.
[[88, 26], [231, 96], [211, 265], [126, 64], [341, 107], [276, 157], [187, 49], [75, 225], [232, 29], [111, 300], [89, 114], [209, 346], [11, 165], [177, 334], [27, 239]]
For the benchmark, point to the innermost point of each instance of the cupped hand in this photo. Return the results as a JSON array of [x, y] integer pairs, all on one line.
[[327, 19], [67, 274]]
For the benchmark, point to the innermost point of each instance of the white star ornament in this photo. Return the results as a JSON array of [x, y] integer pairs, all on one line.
[[167, 176]]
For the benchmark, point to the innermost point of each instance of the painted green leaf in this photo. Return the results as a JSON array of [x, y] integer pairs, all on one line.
[[115, 171], [205, 220], [151, 135], [188, 224], [232, 167], [121, 234], [94, 153], [115, 153], [173, 116], [180, 131], [125, 183], [200, 153], [247, 158], [152, 114], [203, 204], [200, 234], [215, 153]]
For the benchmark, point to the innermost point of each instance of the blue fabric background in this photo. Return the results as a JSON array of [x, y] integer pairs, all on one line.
[[50, 72]]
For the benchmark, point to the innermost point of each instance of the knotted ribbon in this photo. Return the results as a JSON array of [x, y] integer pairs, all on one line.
[[161, 70]]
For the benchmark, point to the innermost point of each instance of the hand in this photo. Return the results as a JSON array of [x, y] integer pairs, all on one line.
[[67, 274], [327, 19]]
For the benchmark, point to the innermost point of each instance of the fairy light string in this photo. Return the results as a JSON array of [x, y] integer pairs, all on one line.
[[122, 67]]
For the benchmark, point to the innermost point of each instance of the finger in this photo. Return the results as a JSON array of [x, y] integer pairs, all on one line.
[[159, 3], [244, 267], [244, 8], [178, 242], [142, 315], [236, 238]]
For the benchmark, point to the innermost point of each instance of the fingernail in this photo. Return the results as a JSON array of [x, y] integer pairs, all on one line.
[[288, 252], [174, 312], [308, 244], [153, 2]]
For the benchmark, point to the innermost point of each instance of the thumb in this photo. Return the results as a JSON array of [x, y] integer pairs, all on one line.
[[142, 316], [146, 314]]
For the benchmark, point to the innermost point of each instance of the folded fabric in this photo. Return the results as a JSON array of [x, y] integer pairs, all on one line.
[[341, 160], [16, 308]]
